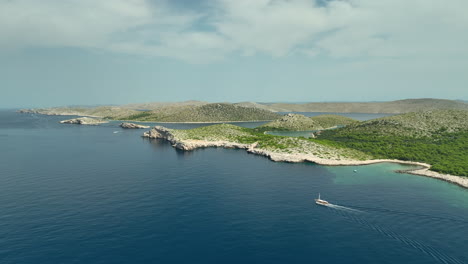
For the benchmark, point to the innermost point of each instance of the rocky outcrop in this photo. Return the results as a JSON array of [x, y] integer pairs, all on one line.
[[159, 132], [84, 121], [132, 126], [190, 144]]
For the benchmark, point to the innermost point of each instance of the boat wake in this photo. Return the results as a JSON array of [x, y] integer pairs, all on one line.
[[344, 208], [350, 215], [410, 214]]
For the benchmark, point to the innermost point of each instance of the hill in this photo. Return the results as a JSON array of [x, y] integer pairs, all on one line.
[[415, 124], [437, 137], [109, 112], [291, 122], [158, 105], [296, 122], [394, 107], [329, 121], [190, 111], [218, 112]]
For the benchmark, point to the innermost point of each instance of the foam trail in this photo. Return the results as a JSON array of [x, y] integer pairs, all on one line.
[[339, 207], [411, 214], [347, 213]]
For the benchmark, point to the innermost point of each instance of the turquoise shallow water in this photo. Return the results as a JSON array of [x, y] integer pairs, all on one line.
[[81, 194]]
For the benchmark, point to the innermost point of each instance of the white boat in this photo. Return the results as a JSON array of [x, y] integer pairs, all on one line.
[[321, 202]]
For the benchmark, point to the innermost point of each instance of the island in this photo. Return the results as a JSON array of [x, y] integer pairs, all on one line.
[[184, 112], [199, 111], [132, 126], [84, 121], [433, 140]]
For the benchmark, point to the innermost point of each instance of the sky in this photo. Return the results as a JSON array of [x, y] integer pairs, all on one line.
[[88, 52]]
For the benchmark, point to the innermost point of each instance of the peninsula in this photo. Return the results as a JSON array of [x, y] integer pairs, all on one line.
[[433, 140]]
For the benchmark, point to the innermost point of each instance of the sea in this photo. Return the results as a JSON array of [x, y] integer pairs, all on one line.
[[102, 194]]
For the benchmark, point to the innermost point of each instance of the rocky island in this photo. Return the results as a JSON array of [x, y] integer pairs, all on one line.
[[84, 121], [132, 126]]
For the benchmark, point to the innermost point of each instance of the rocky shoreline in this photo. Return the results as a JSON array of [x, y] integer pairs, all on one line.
[[132, 126], [159, 132], [84, 121]]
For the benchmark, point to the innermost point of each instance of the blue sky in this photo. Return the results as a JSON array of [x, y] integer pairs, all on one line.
[[75, 52]]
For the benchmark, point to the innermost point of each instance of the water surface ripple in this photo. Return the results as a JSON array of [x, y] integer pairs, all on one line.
[[83, 194]]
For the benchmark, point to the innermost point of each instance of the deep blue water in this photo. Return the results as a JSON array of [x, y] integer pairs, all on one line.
[[83, 194]]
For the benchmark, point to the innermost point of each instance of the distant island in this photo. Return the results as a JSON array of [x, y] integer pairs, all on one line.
[[392, 107], [435, 140], [193, 112], [197, 111]]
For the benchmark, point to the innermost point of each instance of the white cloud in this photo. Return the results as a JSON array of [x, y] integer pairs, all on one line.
[[81, 23], [274, 27], [353, 28]]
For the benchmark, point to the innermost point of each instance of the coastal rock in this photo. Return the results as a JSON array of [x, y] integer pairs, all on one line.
[[194, 144], [132, 126], [83, 121], [159, 132], [282, 156]]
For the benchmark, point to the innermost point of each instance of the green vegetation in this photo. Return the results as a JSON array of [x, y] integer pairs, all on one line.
[[328, 121], [139, 116], [204, 113], [291, 122], [168, 112], [439, 138], [236, 134], [296, 122]]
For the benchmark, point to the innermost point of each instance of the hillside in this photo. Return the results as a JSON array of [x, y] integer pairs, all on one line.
[[416, 124], [291, 122], [110, 112], [296, 122], [328, 121], [218, 112], [157, 105], [190, 111], [229, 135], [394, 107], [255, 105], [438, 137]]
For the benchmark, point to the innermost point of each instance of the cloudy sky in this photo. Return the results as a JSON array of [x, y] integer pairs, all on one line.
[[63, 52]]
